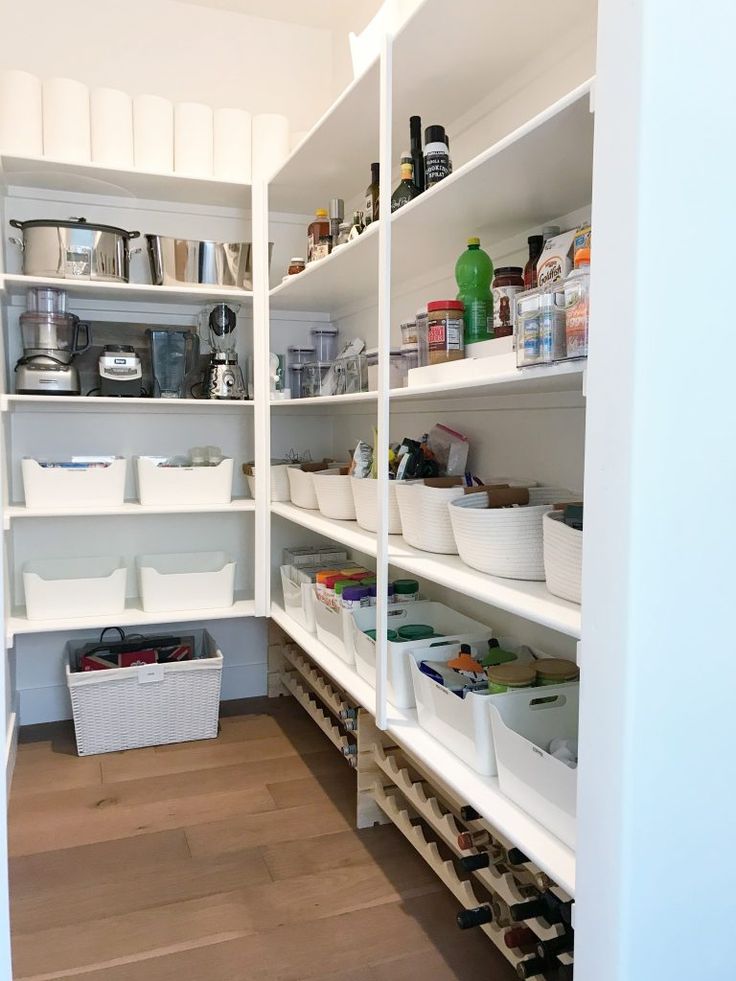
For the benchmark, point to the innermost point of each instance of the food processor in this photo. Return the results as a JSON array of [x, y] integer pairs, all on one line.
[[224, 378], [50, 344]]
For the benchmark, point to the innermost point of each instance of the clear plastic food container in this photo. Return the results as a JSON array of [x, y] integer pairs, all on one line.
[[324, 340]]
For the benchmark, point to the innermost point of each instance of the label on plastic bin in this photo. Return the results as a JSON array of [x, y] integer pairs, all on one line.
[[149, 673]]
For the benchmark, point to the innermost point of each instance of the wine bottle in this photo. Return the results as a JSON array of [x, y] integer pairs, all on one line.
[[531, 967], [348, 713], [564, 972], [515, 856], [467, 918], [372, 195], [473, 839], [472, 863], [532, 908], [520, 938], [467, 813], [562, 944], [417, 154], [406, 191]]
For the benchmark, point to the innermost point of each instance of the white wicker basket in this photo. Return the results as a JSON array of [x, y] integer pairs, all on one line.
[[334, 495], [279, 482], [126, 708], [183, 485], [55, 487], [563, 557], [504, 542], [301, 488], [365, 497], [425, 523]]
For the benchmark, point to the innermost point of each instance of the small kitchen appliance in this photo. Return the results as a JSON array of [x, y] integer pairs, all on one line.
[[224, 378], [51, 341], [120, 371], [174, 357]]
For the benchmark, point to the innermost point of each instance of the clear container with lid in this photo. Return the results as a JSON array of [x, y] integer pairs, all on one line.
[[410, 356], [502, 677], [313, 378], [296, 380], [556, 671], [408, 332], [445, 331], [324, 340], [421, 322], [300, 355], [406, 590]]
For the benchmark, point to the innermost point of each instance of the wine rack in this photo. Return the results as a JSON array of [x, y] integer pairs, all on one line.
[[310, 705], [335, 701]]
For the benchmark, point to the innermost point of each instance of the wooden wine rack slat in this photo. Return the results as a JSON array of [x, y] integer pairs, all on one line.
[[332, 731], [332, 698]]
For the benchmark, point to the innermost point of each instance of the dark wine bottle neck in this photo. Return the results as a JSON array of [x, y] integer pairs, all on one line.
[[467, 918]]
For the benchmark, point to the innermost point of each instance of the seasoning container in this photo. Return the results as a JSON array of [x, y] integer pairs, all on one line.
[[296, 265], [409, 357], [316, 231], [373, 594], [337, 216], [324, 340], [408, 332], [390, 635], [552, 327], [357, 227], [417, 631], [508, 281], [535, 243], [422, 336], [504, 677], [406, 590], [436, 155], [445, 329], [354, 597], [556, 671], [343, 235]]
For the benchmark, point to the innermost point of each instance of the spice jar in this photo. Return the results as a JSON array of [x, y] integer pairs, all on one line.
[[508, 281], [296, 265], [502, 677], [445, 329], [406, 590], [556, 671]]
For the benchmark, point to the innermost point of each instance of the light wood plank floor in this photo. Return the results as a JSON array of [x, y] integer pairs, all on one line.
[[233, 859]]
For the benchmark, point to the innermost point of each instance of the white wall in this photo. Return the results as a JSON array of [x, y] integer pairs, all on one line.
[[181, 51]]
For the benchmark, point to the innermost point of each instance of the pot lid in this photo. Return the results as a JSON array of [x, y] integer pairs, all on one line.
[[72, 223]]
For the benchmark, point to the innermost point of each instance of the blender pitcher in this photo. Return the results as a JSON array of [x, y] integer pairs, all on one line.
[[174, 356]]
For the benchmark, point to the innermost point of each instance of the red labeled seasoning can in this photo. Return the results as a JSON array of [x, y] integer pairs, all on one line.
[[445, 330]]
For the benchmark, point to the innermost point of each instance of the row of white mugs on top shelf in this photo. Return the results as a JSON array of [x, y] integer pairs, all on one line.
[[492, 733], [96, 586], [530, 542], [60, 118]]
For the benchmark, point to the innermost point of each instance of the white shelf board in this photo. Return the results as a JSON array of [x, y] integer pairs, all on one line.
[[530, 600], [332, 401], [343, 674], [133, 616], [483, 793], [343, 277], [476, 64], [504, 191], [130, 508], [564, 377], [17, 284], [81, 403], [334, 159], [89, 178]]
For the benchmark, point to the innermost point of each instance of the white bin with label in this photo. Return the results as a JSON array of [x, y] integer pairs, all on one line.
[[160, 486], [99, 486], [186, 581]]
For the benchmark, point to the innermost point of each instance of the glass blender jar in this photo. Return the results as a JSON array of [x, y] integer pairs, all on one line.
[[224, 376], [51, 341]]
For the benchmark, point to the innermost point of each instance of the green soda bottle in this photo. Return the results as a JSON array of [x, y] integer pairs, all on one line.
[[473, 273]]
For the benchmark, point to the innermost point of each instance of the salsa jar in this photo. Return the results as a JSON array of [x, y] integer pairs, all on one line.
[[508, 281], [445, 330]]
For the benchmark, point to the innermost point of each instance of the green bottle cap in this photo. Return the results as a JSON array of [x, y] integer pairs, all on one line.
[[390, 635], [405, 587], [416, 631], [497, 655]]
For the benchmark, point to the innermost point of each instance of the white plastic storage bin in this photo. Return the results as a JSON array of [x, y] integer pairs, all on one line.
[[463, 725], [298, 600], [334, 495], [425, 523], [563, 557], [159, 486], [334, 629], [524, 723], [455, 628], [504, 542], [279, 482], [186, 581], [126, 708], [62, 487], [365, 498], [58, 589]]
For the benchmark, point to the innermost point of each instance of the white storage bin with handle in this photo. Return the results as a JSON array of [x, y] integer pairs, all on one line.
[[425, 523], [524, 723], [279, 481], [563, 557], [298, 600], [504, 542], [334, 495], [365, 498], [186, 581], [97, 486], [301, 488], [463, 725], [151, 705], [161, 485], [451, 627], [332, 627], [59, 589]]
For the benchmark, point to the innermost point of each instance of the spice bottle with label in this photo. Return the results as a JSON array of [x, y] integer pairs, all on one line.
[[371, 195], [535, 243], [317, 230], [406, 191], [436, 155], [508, 282], [577, 293], [445, 329]]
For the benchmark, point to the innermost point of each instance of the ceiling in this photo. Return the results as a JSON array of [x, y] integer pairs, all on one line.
[[329, 14]]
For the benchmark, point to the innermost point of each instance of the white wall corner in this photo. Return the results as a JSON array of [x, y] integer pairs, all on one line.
[[11, 747]]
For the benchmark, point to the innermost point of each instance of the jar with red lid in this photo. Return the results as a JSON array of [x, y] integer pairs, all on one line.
[[445, 329], [508, 281]]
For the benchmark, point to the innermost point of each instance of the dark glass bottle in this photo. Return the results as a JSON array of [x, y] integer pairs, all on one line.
[[531, 967], [520, 938], [417, 154], [436, 155], [555, 945], [406, 191], [535, 243], [371, 195], [467, 918]]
